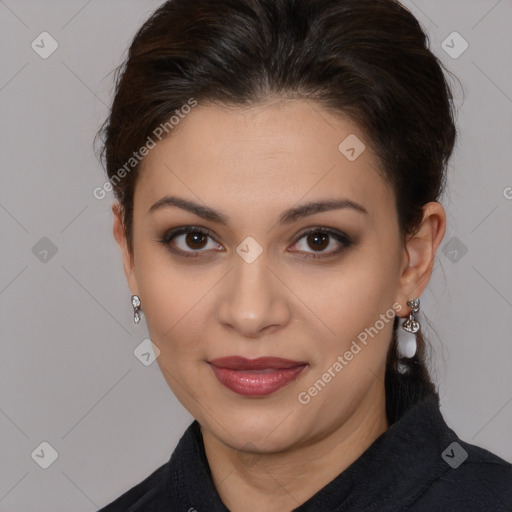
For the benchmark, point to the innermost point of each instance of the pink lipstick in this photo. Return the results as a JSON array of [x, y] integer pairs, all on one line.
[[256, 377]]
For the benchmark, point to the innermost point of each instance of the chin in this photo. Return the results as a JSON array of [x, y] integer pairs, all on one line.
[[268, 426]]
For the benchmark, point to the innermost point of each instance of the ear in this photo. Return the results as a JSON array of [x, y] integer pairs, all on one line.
[[120, 235], [419, 254]]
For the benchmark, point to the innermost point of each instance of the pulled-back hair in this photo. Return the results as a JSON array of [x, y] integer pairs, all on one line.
[[367, 60]]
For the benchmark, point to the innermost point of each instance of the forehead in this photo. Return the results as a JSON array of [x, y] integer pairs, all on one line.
[[282, 152]]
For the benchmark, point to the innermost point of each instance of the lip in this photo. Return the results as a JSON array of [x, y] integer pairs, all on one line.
[[256, 377]]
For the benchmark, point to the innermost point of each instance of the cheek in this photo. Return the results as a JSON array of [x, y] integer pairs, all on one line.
[[345, 300], [356, 304], [168, 294]]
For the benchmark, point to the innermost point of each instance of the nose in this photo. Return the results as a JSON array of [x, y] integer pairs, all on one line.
[[253, 299]]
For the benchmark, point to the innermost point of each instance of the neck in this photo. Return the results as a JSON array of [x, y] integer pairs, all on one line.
[[282, 481]]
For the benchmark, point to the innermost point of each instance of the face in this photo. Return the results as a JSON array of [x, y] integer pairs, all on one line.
[[314, 286]]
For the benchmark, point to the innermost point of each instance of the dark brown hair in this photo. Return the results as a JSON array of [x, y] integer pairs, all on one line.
[[365, 59]]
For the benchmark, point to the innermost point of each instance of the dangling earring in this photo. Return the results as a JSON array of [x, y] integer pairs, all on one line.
[[407, 345], [136, 308]]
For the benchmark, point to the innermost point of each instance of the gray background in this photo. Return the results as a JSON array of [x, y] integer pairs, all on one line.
[[68, 374]]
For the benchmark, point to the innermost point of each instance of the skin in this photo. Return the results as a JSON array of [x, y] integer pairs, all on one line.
[[273, 453]]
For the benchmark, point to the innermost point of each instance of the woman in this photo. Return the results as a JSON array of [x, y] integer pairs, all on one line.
[[277, 166]]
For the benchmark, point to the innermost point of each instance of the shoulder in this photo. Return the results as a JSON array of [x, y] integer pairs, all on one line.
[[150, 495], [163, 488], [475, 480]]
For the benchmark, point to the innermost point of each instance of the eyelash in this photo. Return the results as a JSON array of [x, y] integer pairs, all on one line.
[[166, 240]]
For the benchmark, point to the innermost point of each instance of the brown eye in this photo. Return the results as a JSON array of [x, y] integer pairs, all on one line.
[[192, 241], [196, 239], [318, 240], [189, 241]]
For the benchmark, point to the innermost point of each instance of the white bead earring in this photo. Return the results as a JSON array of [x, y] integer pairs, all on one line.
[[407, 344]]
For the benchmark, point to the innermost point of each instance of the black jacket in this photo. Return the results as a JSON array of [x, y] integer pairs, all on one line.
[[419, 464]]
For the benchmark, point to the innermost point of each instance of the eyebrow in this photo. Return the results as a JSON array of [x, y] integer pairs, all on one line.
[[287, 217]]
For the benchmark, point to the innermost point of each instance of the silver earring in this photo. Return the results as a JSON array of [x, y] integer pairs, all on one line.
[[136, 308], [407, 344]]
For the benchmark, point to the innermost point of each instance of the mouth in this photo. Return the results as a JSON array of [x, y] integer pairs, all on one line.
[[256, 377]]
